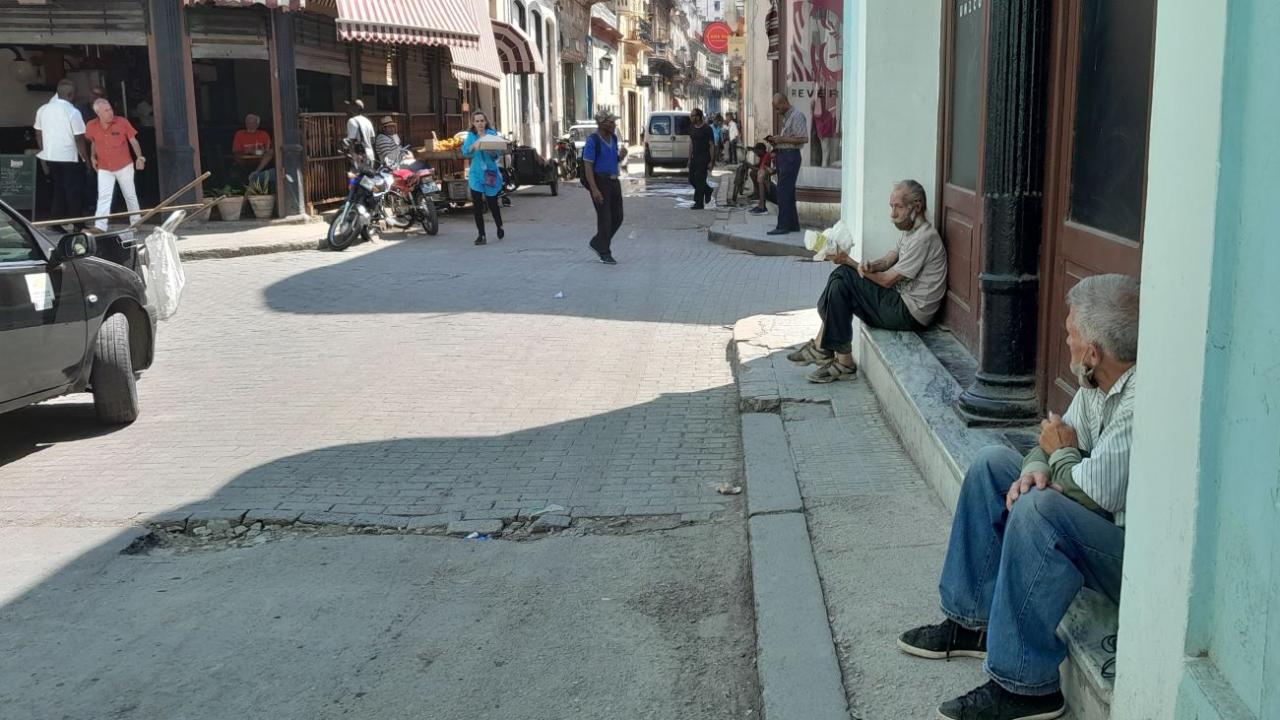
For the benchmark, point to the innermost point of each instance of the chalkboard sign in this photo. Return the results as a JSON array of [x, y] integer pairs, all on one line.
[[18, 181]]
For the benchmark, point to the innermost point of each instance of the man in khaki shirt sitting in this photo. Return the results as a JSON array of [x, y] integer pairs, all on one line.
[[901, 291]]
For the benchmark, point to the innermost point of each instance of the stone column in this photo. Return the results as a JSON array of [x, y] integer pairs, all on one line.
[[290, 194], [1004, 390], [171, 69]]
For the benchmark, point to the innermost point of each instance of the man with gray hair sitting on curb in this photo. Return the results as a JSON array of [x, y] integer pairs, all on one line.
[[901, 291], [1030, 532]]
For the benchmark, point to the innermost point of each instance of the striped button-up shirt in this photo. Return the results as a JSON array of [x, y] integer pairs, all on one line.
[[1099, 467], [794, 123]]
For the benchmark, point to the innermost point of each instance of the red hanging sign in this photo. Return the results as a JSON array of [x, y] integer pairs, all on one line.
[[715, 35]]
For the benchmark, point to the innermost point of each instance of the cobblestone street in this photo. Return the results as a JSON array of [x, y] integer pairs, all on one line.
[[428, 377], [419, 383]]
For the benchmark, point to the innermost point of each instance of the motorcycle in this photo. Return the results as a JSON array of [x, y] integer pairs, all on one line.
[[567, 155], [363, 206], [412, 198]]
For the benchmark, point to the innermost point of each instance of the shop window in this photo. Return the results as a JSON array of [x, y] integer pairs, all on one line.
[[966, 93], [1113, 93]]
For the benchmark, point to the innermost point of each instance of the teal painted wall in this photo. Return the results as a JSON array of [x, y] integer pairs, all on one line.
[[1235, 612]]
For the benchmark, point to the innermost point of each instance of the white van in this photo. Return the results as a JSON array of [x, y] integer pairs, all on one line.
[[666, 140]]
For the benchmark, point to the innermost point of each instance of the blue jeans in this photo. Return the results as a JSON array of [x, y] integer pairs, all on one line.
[[1015, 573], [788, 164]]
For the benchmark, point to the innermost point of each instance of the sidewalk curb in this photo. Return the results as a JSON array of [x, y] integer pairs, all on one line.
[[721, 235], [796, 660], [246, 250], [795, 653]]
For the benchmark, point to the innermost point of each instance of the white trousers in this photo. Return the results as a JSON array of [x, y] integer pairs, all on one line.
[[107, 181]]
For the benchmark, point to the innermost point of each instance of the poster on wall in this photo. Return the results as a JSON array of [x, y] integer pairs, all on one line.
[[814, 74]]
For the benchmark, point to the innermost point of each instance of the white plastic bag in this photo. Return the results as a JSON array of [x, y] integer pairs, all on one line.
[[836, 239], [163, 272]]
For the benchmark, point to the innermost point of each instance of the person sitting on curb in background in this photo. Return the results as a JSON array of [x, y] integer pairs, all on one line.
[[763, 172], [1030, 532], [901, 291]]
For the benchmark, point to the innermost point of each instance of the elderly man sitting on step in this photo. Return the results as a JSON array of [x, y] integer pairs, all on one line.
[[901, 291], [1030, 532]]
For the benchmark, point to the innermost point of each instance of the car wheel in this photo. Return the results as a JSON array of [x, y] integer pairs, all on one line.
[[115, 388], [648, 169]]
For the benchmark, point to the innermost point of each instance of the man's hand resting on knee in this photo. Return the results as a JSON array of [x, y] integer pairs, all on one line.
[[1023, 485]]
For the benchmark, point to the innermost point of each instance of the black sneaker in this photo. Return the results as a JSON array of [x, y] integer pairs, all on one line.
[[598, 253], [992, 702], [607, 259], [947, 639], [481, 241]]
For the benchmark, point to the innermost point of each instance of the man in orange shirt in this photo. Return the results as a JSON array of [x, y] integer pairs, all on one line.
[[112, 137], [252, 146]]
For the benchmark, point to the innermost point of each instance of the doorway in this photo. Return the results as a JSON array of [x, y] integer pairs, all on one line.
[[960, 163], [1095, 189]]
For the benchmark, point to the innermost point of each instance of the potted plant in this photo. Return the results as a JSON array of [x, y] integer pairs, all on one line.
[[231, 203], [260, 198]]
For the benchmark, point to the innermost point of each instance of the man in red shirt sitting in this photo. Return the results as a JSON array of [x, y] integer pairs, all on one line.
[[762, 175], [252, 147], [112, 137]]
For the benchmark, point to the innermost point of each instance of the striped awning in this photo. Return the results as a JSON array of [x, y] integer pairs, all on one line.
[[451, 23], [282, 4], [516, 52], [479, 63]]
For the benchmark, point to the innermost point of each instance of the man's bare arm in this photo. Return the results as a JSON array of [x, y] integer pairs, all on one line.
[[883, 263]]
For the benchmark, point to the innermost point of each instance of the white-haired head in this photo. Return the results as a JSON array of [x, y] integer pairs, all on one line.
[[1106, 314]]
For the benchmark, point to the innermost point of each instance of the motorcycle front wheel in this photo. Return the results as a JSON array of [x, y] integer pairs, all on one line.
[[430, 218], [344, 227]]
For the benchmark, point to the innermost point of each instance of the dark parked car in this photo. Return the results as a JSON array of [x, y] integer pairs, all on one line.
[[70, 321]]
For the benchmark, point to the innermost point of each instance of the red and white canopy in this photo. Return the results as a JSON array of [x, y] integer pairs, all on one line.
[[516, 52], [479, 63], [282, 4], [451, 23]]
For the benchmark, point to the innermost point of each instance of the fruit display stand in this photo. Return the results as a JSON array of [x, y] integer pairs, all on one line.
[[451, 171]]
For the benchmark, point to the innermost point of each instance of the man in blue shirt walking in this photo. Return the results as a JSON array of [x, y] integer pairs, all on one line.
[[602, 158]]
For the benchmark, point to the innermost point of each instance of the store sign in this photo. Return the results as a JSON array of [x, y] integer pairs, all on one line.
[[715, 35], [815, 74], [644, 81], [738, 49]]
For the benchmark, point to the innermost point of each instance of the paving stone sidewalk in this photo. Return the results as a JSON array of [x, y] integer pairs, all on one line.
[[427, 379], [878, 532]]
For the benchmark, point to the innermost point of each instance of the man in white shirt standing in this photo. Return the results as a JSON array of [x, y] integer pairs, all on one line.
[[735, 137], [360, 128], [60, 135]]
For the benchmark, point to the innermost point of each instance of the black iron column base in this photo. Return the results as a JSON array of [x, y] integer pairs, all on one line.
[[999, 400], [290, 182]]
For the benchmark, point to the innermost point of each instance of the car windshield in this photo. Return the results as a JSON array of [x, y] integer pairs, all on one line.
[[15, 246]]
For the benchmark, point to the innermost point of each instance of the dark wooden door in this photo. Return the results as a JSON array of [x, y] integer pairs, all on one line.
[[960, 162], [1097, 158]]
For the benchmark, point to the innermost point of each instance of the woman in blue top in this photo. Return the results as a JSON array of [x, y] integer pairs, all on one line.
[[484, 178]]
